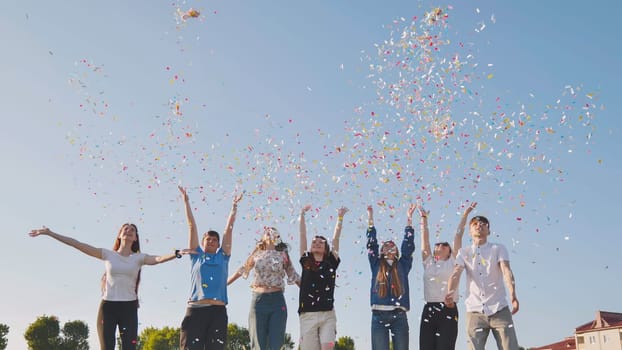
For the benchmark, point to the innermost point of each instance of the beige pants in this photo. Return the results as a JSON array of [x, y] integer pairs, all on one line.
[[317, 328]]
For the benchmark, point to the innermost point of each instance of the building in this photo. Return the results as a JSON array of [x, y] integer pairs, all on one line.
[[604, 333]]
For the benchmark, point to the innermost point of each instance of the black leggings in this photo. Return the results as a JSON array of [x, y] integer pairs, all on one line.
[[123, 314], [439, 327]]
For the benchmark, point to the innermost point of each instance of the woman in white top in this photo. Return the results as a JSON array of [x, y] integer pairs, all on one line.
[[439, 319], [268, 314], [119, 303]]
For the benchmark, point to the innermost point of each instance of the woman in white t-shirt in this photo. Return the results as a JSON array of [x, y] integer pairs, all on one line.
[[119, 303], [439, 319]]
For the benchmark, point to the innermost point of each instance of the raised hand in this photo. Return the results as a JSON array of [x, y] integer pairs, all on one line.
[[41, 231], [470, 208], [342, 211], [184, 194], [238, 198], [305, 209], [411, 209]]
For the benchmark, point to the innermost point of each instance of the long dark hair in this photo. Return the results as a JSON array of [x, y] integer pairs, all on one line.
[[135, 249], [382, 277], [312, 264]]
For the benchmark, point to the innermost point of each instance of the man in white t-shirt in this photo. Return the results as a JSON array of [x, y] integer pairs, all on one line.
[[487, 267]]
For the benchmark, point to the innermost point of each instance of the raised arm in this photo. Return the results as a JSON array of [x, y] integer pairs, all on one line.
[[227, 237], [83, 247], [460, 230], [303, 229], [426, 249], [409, 214], [193, 235], [337, 233], [508, 277], [372, 241], [408, 243]]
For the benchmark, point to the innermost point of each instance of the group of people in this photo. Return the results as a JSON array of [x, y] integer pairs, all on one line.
[[204, 325], [487, 267]]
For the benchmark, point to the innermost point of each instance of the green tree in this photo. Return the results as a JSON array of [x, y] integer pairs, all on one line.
[[237, 337], [4, 330], [43, 333], [75, 336], [344, 343], [166, 338]]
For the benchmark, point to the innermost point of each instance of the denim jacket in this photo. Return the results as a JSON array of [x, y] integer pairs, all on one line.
[[404, 265]]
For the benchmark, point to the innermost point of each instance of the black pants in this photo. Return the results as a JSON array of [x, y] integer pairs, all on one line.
[[204, 328], [113, 314], [439, 327]]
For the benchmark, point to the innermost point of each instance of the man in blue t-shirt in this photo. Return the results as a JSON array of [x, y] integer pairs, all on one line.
[[205, 324]]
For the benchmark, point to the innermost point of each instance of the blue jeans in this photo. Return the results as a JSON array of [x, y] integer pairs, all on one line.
[[394, 322], [267, 320]]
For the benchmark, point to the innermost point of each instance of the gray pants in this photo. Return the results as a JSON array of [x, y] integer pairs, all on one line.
[[479, 325]]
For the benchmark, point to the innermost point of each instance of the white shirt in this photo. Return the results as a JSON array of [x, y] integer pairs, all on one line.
[[436, 273], [485, 288], [121, 275]]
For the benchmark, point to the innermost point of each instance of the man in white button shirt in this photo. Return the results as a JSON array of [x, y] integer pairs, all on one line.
[[487, 267]]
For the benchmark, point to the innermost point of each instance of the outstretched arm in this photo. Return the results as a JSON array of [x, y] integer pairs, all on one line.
[[460, 230], [227, 237], [337, 233], [303, 229], [83, 247], [154, 260], [193, 235], [508, 276], [243, 270], [233, 277]]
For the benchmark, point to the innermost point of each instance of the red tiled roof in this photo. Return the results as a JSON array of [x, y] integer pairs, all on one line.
[[566, 344], [604, 319]]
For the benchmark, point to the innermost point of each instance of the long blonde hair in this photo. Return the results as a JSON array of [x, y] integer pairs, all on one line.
[[261, 245], [382, 277]]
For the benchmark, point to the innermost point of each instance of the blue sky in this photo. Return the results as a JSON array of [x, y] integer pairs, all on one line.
[[109, 106]]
